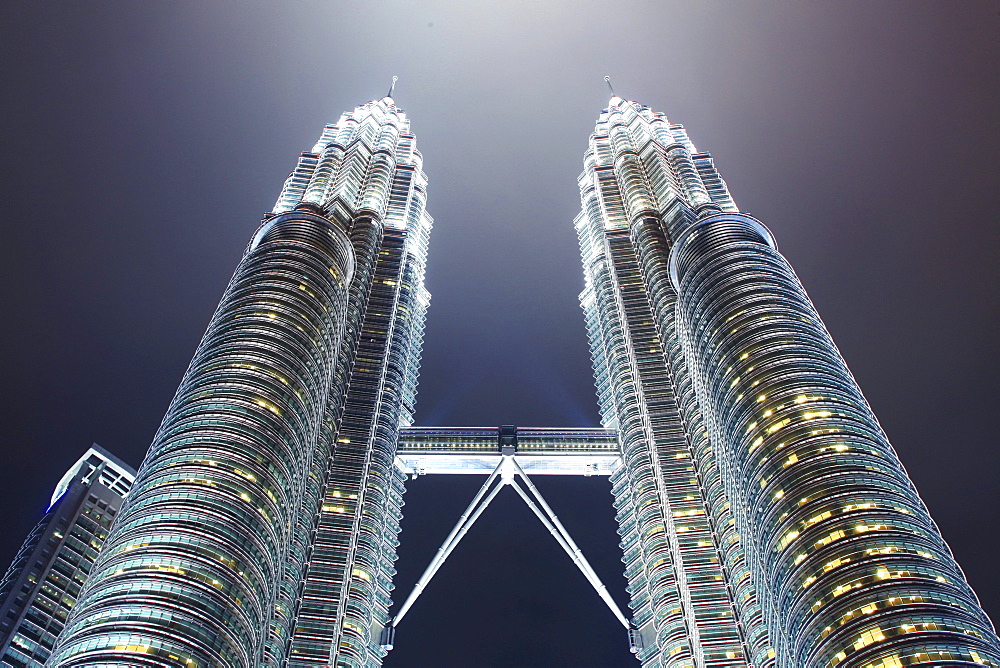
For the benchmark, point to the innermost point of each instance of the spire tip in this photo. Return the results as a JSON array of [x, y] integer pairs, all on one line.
[[392, 86]]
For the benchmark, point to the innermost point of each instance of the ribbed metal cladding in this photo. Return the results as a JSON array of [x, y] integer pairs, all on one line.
[[263, 526], [370, 165], [652, 249], [190, 572], [850, 566], [643, 182]]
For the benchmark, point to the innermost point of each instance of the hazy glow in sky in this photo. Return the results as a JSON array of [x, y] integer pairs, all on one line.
[[143, 142]]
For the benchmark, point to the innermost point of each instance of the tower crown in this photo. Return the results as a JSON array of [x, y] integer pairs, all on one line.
[[639, 163], [357, 164]]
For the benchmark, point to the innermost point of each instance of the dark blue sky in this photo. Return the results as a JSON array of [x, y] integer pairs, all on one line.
[[143, 142]]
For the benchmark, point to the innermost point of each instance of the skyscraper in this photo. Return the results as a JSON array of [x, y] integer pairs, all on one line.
[[765, 517], [43, 582], [269, 492]]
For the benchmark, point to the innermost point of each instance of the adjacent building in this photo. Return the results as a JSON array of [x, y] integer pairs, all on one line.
[[765, 518], [44, 581]]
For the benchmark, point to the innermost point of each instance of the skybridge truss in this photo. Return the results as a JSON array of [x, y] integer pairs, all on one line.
[[507, 454]]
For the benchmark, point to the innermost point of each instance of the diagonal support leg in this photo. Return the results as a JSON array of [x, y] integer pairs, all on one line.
[[472, 513], [568, 544], [506, 470], [465, 529], [555, 527], [555, 520]]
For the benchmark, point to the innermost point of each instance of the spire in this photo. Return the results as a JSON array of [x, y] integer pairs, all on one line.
[[614, 98], [392, 86]]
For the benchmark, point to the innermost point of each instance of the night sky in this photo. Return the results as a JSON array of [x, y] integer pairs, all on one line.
[[142, 143]]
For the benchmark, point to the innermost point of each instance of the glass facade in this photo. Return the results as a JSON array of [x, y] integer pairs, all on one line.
[[474, 450], [530, 440], [765, 518], [45, 579], [261, 528]]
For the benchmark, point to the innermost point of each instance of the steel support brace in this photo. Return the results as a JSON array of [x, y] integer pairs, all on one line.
[[507, 469], [471, 514], [562, 536]]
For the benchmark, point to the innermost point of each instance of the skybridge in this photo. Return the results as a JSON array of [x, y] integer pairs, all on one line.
[[506, 455], [542, 451]]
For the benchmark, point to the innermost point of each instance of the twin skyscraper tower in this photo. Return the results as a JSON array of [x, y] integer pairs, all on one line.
[[764, 518]]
